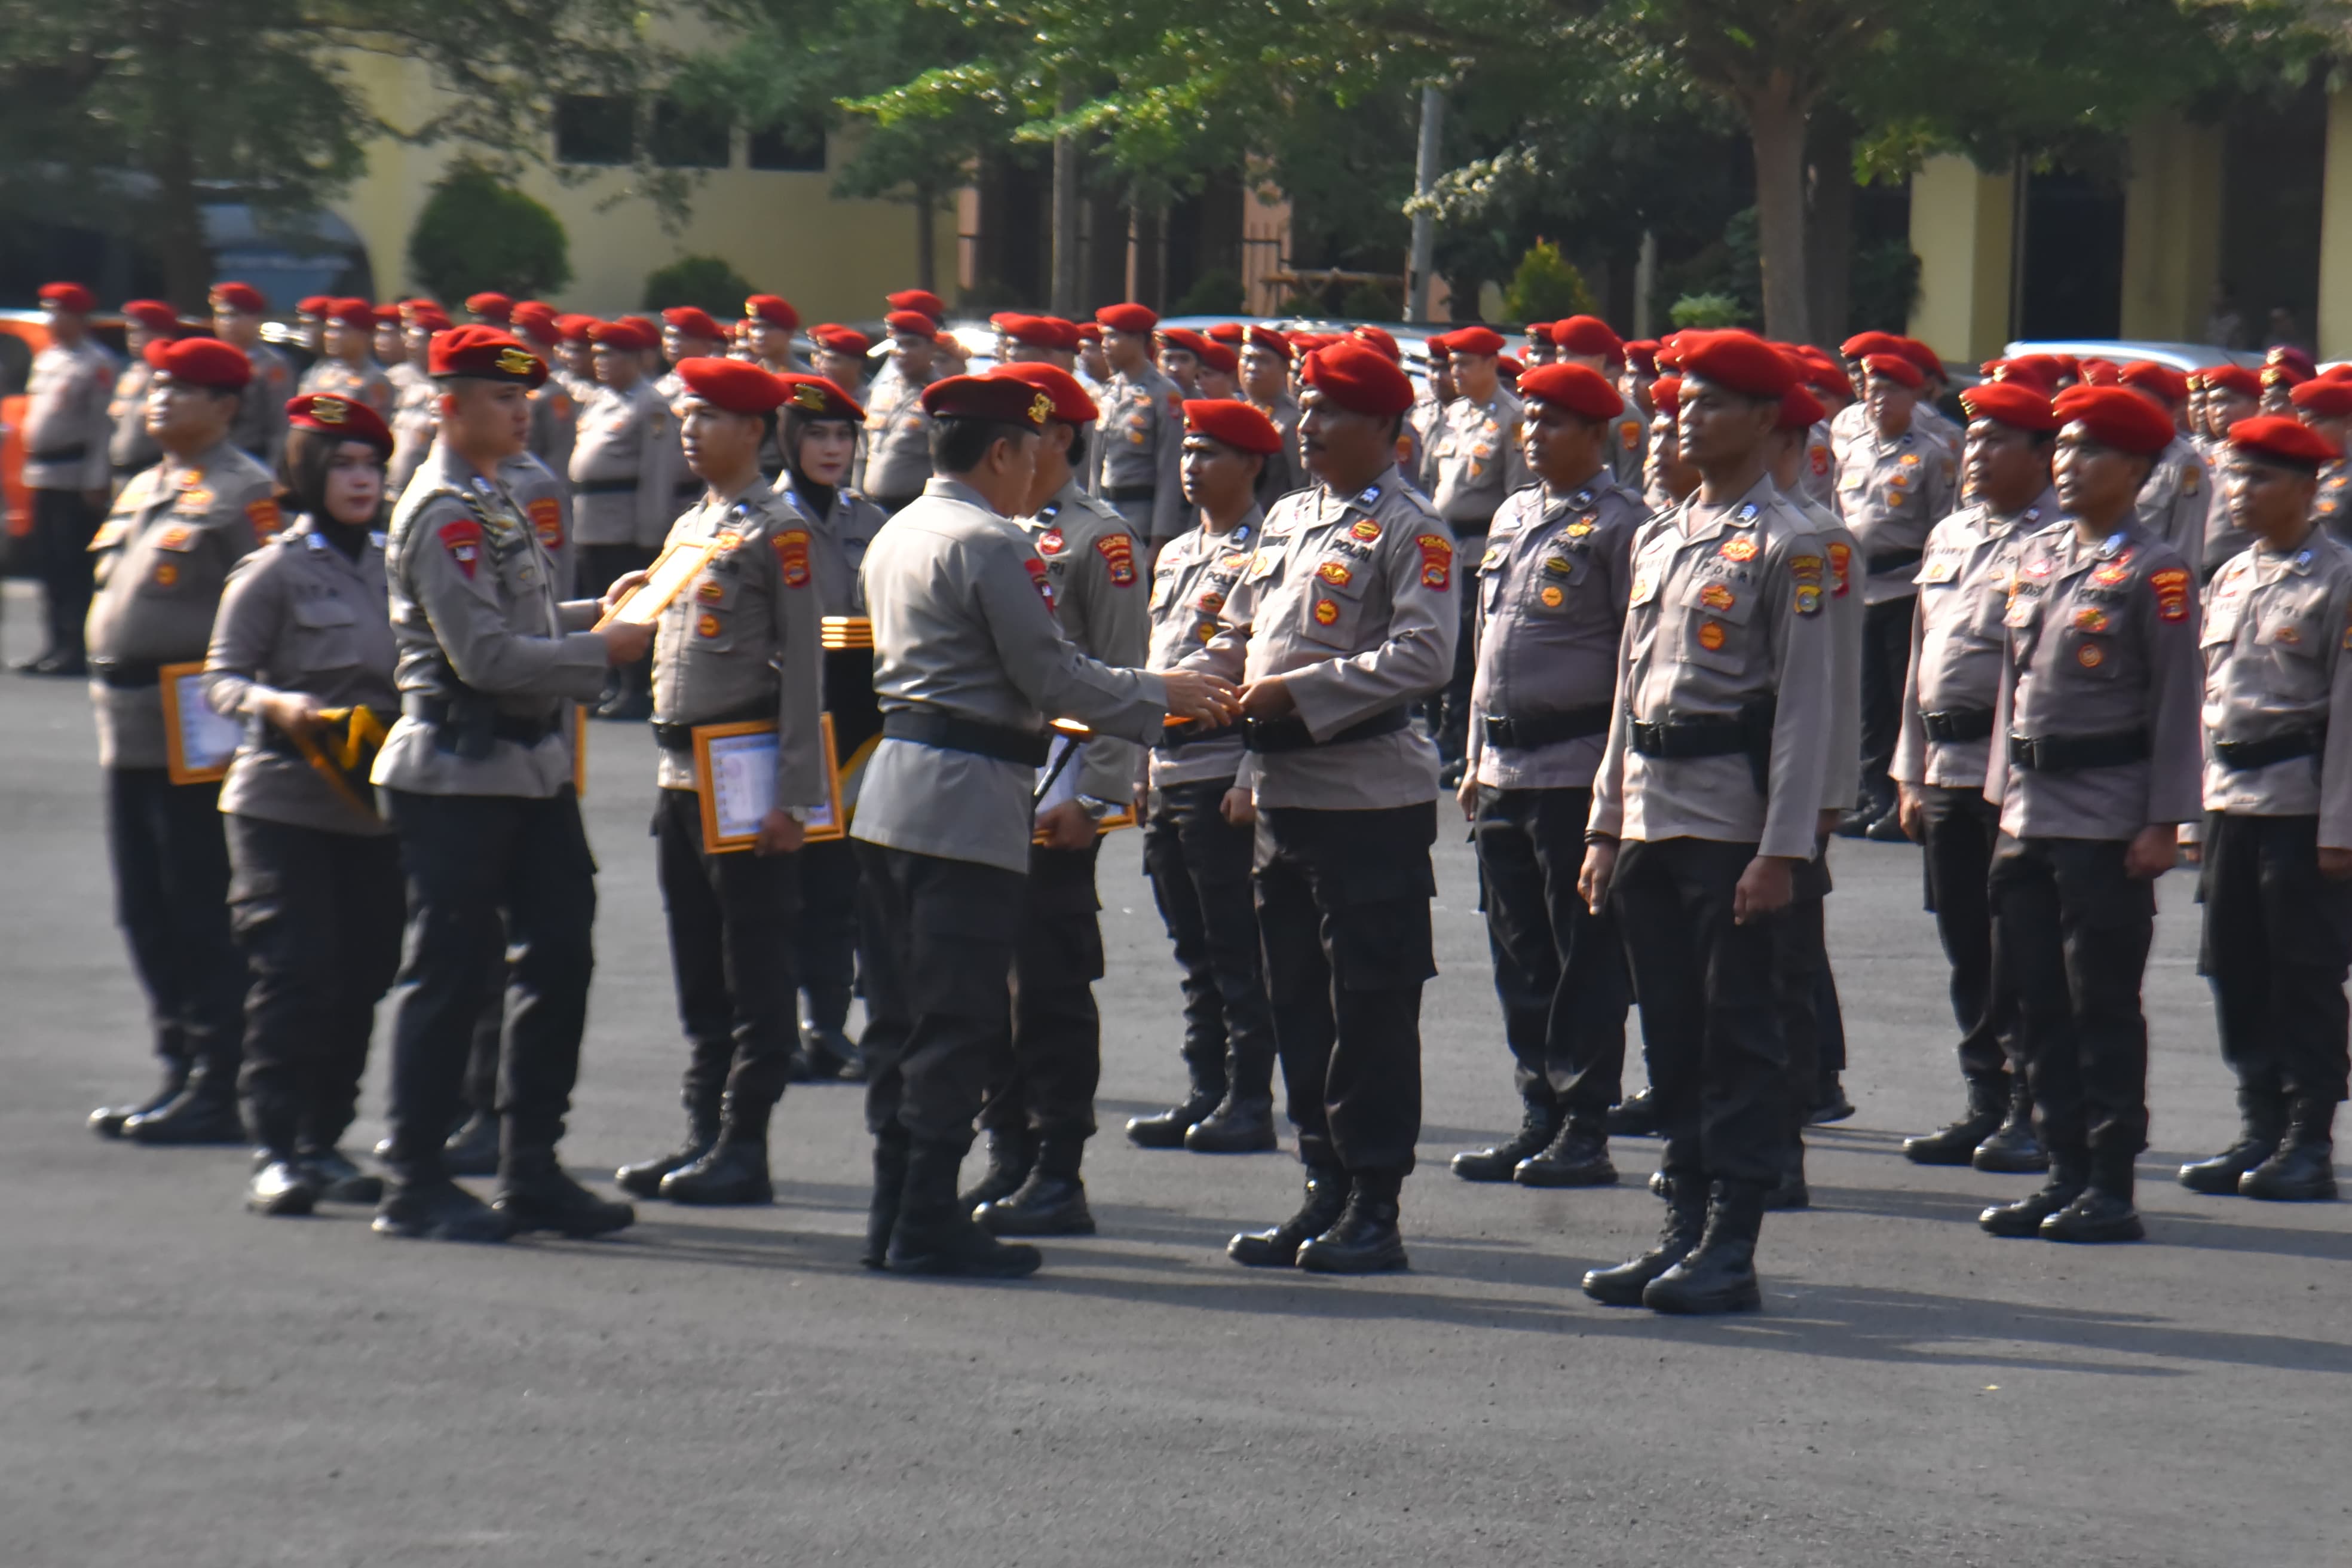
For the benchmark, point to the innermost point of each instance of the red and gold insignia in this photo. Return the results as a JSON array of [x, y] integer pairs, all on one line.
[[1738, 548], [166, 573], [1552, 597], [1841, 567], [547, 521], [710, 590], [1326, 612], [1909, 460], [262, 515], [707, 625], [1807, 599], [2090, 619], [2090, 656], [729, 538], [192, 479], [1436, 559], [1820, 457], [2171, 586], [1716, 597], [1710, 635], [194, 499], [1628, 435], [1805, 569], [1044, 587], [1335, 573], [2285, 634], [1051, 542], [1210, 603], [176, 537], [1118, 551], [1364, 528], [792, 556], [1206, 631], [462, 538]]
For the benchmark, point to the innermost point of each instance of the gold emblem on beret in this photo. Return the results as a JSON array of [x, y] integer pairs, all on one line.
[[515, 362], [1040, 408], [329, 410], [808, 397]]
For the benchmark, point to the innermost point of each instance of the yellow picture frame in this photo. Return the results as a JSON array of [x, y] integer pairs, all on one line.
[[718, 837], [666, 579], [177, 717]]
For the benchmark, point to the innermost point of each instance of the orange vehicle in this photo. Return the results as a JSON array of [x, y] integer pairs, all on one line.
[[23, 335]]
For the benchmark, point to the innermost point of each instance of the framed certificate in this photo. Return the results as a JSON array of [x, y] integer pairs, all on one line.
[[735, 777], [665, 580], [198, 743]]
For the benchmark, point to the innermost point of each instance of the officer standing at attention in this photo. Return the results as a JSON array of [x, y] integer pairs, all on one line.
[[2098, 710], [1138, 471], [769, 323], [160, 561], [347, 366], [476, 777], [2277, 840], [739, 646], [1552, 603], [554, 411], [2174, 505], [1948, 693], [131, 449], [969, 661], [315, 894], [624, 487], [414, 422], [1347, 614], [1472, 463], [1265, 386], [260, 428], [64, 438], [1198, 827], [897, 463], [839, 356], [2233, 393], [2325, 405], [1704, 805]]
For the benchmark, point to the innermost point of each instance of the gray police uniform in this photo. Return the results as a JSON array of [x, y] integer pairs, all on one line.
[[897, 462], [415, 423], [259, 428], [1281, 475], [1473, 461], [555, 424], [315, 895], [2174, 503], [624, 481], [130, 449], [363, 382], [64, 438], [1138, 454], [1890, 493], [1629, 442]]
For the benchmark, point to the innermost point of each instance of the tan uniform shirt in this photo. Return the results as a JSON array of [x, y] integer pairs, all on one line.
[[66, 427], [2174, 503], [963, 623], [364, 383], [1957, 638], [1282, 473], [546, 502], [1853, 422], [1094, 565], [161, 559], [2102, 640], [130, 449], [299, 616], [1817, 482], [555, 424], [624, 487], [897, 440], [2277, 629], [415, 424], [2332, 507], [1140, 453], [260, 429], [1355, 601], [1629, 443], [1475, 461], [1890, 494], [1842, 584], [1729, 609], [1189, 584]]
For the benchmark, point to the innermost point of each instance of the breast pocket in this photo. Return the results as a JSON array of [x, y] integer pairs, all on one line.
[[2298, 636], [1717, 621], [326, 634], [1335, 605]]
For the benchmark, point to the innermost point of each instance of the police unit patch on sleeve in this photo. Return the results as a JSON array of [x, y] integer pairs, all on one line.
[[462, 538], [2171, 587], [1118, 551], [1436, 559], [262, 515], [1841, 567], [1038, 579], [547, 521], [792, 556]]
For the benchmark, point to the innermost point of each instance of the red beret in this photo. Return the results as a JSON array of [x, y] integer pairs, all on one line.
[[200, 361], [771, 311], [1256, 337], [921, 300], [1537, 333], [70, 298], [624, 335], [820, 398], [352, 313], [2286, 440], [1039, 332], [1474, 341], [837, 339], [1509, 368], [1381, 339], [1220, 358], [1574, 388], [1930, 362], [2117, 417], [1135, 320], [1862, 345], [420, 303], [2292, 358], [1642, 353], [1434, 345], [1007, 399], [1800, 409], [1819, 372], [1669, 357], [1895, 368], [1357, 378], [1232, 422], [316, 305], [330, 414], [1089, 332], [912, 322], [2101, 372], [2161, 382], [2021, 405], [1667, 393], [387, 315], [2037, 371], [1736, 362], [2280, 373], [693, 321], [575, 328], [239, 297], [1184, 338], [1587, 335], [2231, 378], [536, 318], [491, 304], [736, 385], [153, 314], [2328, 397], [1071, 403], [430, 318], [484, 354], [1226, 333]]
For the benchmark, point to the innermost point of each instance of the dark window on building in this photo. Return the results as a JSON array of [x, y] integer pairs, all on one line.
[[594, 130], [793, 148], [689, 138]]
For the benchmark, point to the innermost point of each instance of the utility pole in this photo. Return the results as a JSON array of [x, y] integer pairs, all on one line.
[[1067, 219], [1425, 222]]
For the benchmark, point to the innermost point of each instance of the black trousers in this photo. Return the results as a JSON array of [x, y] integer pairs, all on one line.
[[1560, 969], [944, 981], [63, 526], [1711, 1025], [1886, 658], [2278, 939], [731, 929], [1343, 909], [318, 915], [1049, 1053], [170, 856], [1960, 828], [2070, 940], [481, 1087], [1200, 869], [467, 857], [1805, 992], [825, 937]]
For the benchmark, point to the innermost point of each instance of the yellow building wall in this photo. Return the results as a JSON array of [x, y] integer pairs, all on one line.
[[833, 258], [1963, 228], [2336, 232], [2172, 229]]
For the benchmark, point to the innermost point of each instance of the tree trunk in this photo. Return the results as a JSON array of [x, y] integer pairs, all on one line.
[[1150, 256], [1106, 272], [1829, 234], [179, 231], [1776, 133], [926, 215], [1066, 214]]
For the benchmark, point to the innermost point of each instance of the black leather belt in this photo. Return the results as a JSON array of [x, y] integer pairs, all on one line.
[[680, 737], [1191, 730], [59, 455], [126, 469], [1528, 731], [1747, 733], [434, 713], [937, 727], [1957, 723], [1130, 492], [2064, 754], [606, 487], [2242, 756], [1894, 561], [124, 675], [1291, 735]]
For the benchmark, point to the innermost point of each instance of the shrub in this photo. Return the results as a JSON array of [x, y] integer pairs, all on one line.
[[477, 232], [1706, 311], [1545, 288], [707, 282], [1370, 303], [1217, 293]]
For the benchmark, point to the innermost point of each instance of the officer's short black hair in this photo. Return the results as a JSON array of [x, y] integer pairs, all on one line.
[[960, 445], [1079, 447]]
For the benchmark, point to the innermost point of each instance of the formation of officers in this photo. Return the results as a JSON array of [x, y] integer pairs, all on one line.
[[1663, 618]]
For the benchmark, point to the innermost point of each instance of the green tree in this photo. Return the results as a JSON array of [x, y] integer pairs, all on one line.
[[1545, 288], [475, 233], [707, 282]]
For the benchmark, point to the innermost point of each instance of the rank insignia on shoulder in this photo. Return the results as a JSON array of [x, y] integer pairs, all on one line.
[[377, 539], [1038, 580], [2172, 588], [1748, 514], [1580, 500], [1367, 495], [462, 538], [547, 521]]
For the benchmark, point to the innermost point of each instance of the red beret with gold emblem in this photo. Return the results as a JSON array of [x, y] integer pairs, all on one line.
[[914, 323], [200, 361], [2117, 417], [1071, 403], [1895, 368], [693, 321], [1474, 341], [1587, 335], [332, 414], [1357, 378], [1132, 319], [817, 398], [2283, 440], [1666, 394], [2231, 378], [1183, 338], [484, 354], [1642, 353], [1256, 337], [2021, 405], [772, 311], [1232, 422], [2160, 381], [1574, 387], [736, 386], [1862, 345], [835, 338], [1539, 332], [1381, 339], [1006, 399]]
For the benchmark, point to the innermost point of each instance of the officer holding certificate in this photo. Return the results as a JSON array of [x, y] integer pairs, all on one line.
[[738, 645]]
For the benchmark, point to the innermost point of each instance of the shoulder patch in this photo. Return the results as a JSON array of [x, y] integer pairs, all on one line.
[[262, 515], [547, 521], [462, 538], [1118, 551], [2172, 588], [1436, 559], [792, 548], [1038, 579]]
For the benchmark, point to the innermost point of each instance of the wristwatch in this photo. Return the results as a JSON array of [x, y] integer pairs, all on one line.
[[1096, 808]]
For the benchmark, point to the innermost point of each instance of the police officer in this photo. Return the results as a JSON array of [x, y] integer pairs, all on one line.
[[554, 409], [1552, 603], [2179, 490], [161, 560], [2233, 393], [2277, 837], [315, 893], [624, 486], [413, 421], [1472, 462], [769, 323], [476, 779], [1666, 480], [1177, 353], [347, 366], [64, 438], [1347, 614], [1428, 412], [968, 660], [1198, 827], [260, 427], [1265, 385], [1948, 693], [1136, 472], [490, 309], [897, 462], [2097, 714], [1706, 804], [2325, 403], [131, 449]]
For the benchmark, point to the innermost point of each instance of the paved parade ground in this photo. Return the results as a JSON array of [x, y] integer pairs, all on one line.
[[183, 1383]]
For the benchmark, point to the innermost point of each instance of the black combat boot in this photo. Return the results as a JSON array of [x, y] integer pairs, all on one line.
[[2069, 1177], [824, 1056], [338, 1180], [1685, 1218], [280, 1185], [735, 1171], [1499, 1162], [2011, 1148], [2262, 1113], [204, 1111], [1956, 1143], [1829, 1104], [645, 1178], [1791, 1190], [1719, 1275], [107, 1120], [935, 1233], [2103, 1211], [1011, 1153], [1167, 1130], [2302, 1170], [1578, 1157], [1235, 1127], [473, 1149], [890, 1149], [432, 1207], [1052, 1202], [534, 1193], [1635, 1116], [1326, 1194], [1364, 1239]]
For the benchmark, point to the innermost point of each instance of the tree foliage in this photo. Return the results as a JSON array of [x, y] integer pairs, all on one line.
[[707, 282], [475, 234], [1545, 288]]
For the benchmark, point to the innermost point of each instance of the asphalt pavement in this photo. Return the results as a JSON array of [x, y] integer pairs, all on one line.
[[182, 1382]]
